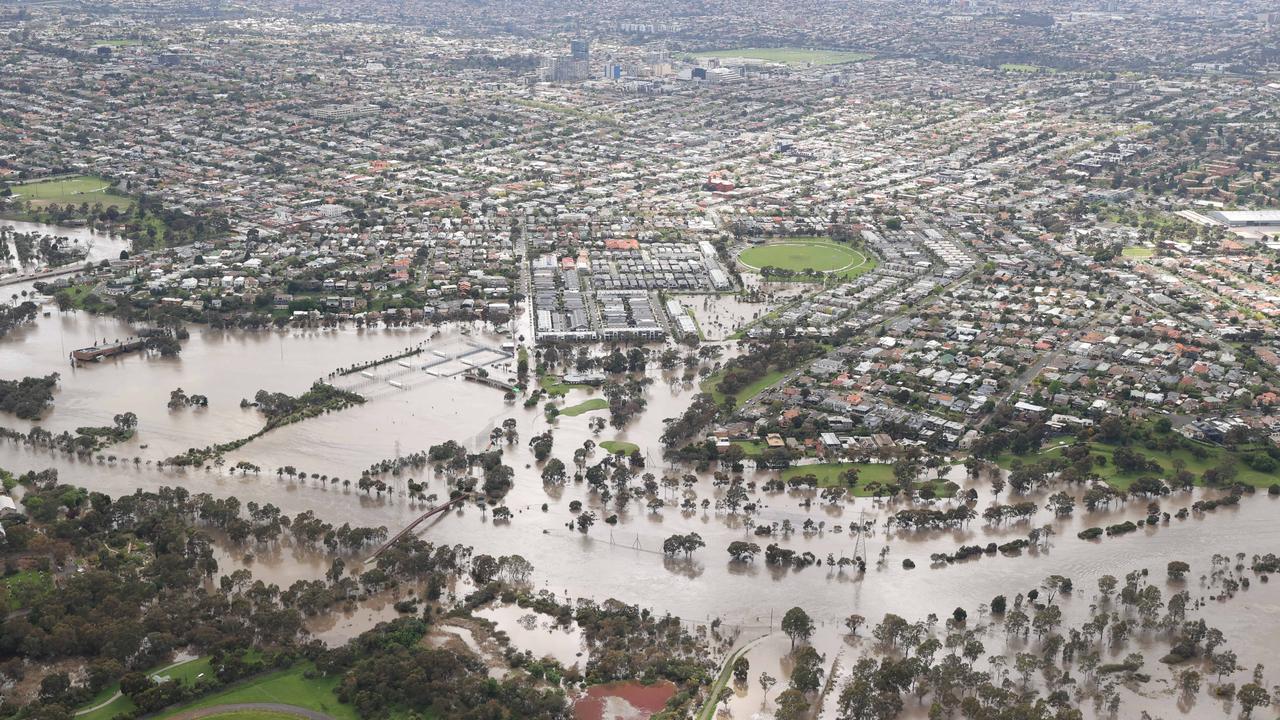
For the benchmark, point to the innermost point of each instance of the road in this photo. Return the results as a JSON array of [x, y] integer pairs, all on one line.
[[57, 272], [1025, 379]]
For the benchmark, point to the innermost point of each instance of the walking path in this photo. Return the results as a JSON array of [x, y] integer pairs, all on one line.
[[113, 698]]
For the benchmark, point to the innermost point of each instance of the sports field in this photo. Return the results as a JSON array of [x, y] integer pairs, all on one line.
[[800, 254], [788, 55], [1137, 251], [76, 189]]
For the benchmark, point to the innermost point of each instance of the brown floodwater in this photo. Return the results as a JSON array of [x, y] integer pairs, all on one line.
[[99, 245], [539, 635], [622, 701], [623, 560]]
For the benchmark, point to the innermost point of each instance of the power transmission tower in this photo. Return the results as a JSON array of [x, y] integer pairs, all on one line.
[[860, 543]]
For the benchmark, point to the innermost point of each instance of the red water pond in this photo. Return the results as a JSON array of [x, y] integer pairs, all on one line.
[[623, 701]]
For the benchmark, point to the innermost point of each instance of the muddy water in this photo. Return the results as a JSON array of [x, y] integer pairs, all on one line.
[[225, 366], [537, 634], [100, 245], [719, 316], [336, 627], [622, 701], [621, 561]]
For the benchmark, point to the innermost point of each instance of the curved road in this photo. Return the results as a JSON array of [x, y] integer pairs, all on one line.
[[243, 707]]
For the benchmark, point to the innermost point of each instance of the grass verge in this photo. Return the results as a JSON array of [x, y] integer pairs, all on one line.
[[613, 447], [585, 406]]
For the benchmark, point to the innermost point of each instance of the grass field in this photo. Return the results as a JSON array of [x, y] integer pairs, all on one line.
[[25, 588], [798, 254], [284, 686], [187, 673], [585, 407], [828, 475], [753, 448], [555, 386], [613, 447], [788, 55], [1121, 481], [78, 189], [710, 385], [1138, 252]]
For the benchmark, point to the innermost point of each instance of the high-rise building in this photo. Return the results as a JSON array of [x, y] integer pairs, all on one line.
[[580, 49]]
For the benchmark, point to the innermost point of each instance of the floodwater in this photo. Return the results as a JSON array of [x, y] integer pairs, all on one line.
[[99, 244], [342, 623], [622, 701], [622, 560], [539, 635]]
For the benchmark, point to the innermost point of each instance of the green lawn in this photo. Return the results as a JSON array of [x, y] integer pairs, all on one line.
[[788, 55], [613, 447], [710, 385], [585, 407], [77, 189], [752, 448], [1122, 481], [25, 588], [809, 253], [555, 386], [106, 712], [187, 672], [77, 294], [1138, 252], [283, 686], [828, 475]]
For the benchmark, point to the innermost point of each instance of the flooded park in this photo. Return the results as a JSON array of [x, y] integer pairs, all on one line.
[[420, 389]]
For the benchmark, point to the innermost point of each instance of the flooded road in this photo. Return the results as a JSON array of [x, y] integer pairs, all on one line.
[[623, 560]]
